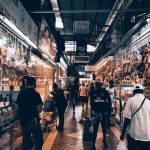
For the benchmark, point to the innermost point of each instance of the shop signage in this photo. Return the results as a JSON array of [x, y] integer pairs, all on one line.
[[46, 41], [6, 88], [16, 88], [16, 13]]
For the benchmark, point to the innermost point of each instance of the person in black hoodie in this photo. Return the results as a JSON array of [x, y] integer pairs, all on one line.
[[61, 104], [101, 107]]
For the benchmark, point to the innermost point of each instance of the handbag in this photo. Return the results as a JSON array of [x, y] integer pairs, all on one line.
[[139, 107]]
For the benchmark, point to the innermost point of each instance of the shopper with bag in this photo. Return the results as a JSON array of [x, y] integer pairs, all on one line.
[[102, 108], [137, 120]]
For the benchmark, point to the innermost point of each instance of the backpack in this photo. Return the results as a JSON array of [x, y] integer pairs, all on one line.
[[100, 102]]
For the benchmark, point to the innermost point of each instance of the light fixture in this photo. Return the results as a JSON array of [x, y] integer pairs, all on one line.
[[58, 23], [15, 29], [148, 20]]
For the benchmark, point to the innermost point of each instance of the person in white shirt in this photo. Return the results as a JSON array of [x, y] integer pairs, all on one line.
[[137, 120]]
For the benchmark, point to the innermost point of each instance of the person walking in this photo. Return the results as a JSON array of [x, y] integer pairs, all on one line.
[[102, 107], [61, 104], [91, 94], [137, 120], [29, 106], [111, 91], [74, 90], [83, 92]]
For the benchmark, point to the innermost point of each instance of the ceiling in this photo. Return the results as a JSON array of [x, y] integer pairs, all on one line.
[[90, 12]]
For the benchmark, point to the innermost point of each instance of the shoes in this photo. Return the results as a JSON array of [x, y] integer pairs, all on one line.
[[105, 143], [93, 148]]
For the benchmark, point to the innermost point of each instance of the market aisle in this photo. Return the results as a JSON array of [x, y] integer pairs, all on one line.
[[71, 138]]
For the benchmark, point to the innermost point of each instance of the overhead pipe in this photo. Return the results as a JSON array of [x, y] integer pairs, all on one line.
[[87, 11], [125, 38], [128, 3]]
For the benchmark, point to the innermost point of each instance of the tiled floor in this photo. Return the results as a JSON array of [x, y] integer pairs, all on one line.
[[71, 138]]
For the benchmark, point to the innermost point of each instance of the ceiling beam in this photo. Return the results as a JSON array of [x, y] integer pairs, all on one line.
[[84, 8], [89, 11], [95, 18]]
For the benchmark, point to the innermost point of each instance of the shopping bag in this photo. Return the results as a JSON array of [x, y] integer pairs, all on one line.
[[122, 145]]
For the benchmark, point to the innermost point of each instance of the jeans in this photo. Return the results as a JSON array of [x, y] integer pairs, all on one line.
[[103, 119], [137, 145], [34, 129]]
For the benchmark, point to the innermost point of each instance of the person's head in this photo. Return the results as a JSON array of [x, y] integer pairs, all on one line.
[[138, 89], [98, 85], [55, 87], [31, 81], [83, 84], [111, 83]]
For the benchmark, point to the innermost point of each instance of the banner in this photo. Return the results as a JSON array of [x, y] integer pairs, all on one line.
[[16, 13], [46, 42]]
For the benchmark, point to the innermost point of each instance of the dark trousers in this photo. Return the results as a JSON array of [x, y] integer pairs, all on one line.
[[36, 131], [103, 120], [137, 145], [74, 100], [61, 118]]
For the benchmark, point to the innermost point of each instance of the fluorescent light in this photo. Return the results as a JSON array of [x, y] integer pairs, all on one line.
[[91, 48], [15, 29], [148, 19], [59, 23], [63, 63]]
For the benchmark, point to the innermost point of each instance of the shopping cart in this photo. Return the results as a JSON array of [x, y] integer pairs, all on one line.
[[48, 115]]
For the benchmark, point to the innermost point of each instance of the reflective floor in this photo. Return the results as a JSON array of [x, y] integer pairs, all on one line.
[[69, 139]]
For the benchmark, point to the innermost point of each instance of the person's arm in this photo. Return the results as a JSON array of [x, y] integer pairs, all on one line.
[[124, 128], [39, 108], [109, 101], [39, 103]]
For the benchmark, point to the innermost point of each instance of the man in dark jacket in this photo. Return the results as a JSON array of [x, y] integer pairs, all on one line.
[[102, 107], [61, 104], [29, 106]]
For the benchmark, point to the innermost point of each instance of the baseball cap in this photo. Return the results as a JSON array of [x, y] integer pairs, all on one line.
[[138, 87]]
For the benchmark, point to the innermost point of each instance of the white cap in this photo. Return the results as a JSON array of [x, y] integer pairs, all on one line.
[[138, 86]]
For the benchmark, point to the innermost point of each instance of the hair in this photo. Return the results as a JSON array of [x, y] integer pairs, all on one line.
[[138, 91], [31, 81], [98, 85]]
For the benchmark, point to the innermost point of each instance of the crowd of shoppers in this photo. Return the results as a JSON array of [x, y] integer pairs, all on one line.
[[136, 113]]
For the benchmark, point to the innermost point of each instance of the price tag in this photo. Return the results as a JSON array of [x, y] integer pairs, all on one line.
[[16, 88], [6, 88]]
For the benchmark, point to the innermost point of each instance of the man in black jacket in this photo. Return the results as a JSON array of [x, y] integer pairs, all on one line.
[[61, 104], [101, 107], [29, 106]]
